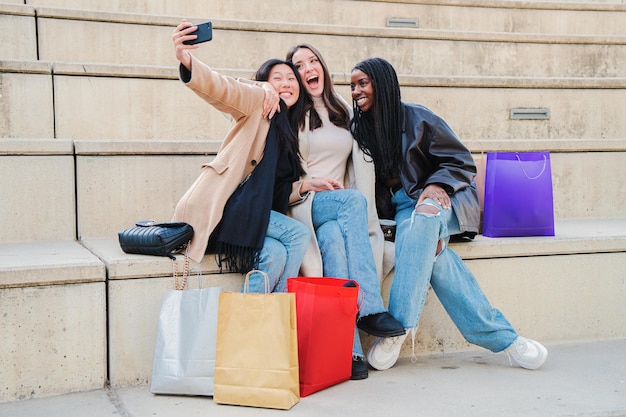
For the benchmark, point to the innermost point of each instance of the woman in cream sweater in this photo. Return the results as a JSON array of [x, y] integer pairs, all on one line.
[[347, 241]]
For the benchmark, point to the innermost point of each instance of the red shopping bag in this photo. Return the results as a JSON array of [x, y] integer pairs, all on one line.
[[326, 313]]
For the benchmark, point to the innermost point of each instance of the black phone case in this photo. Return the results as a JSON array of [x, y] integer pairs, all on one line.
[[204, 33]]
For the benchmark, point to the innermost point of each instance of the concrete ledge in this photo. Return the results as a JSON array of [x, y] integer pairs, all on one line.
[[18, 39], [132, 325], [53, 309], [563, 288], [479, 147], [38, 182], [123, 266], [27, 100], [513, 272], [53, 340], [359, 28], [16, 8], [125, 34], [496, 16], [150, 147], [575, 112], [146, 186], [149, 184], [21, 147], [547, 298], [582, 108], [25, 66], [35, 263], [340, 78], [572, 236]]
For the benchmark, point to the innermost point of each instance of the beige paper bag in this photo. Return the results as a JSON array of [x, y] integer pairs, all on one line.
[[256, 362]]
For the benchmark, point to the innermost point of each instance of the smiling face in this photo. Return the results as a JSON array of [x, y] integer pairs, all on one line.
[[362, 90], [311, 71], [284, 81]]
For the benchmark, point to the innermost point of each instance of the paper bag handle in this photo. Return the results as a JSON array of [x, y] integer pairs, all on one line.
[[266, 278]]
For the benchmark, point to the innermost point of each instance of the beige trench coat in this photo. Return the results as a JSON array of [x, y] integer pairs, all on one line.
[[203, 204]]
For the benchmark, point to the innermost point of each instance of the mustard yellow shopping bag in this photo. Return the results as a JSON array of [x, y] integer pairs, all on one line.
[[256, 360]]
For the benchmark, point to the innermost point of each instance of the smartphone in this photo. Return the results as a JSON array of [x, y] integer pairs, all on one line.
[[204, 33]]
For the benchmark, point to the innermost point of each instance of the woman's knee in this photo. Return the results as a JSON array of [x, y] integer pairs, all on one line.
[[273, 252], [428, 212], [301, 231], [427, 209], [355, 196]]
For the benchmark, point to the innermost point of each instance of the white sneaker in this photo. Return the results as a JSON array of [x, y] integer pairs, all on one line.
[[526, 353], [384, 352]]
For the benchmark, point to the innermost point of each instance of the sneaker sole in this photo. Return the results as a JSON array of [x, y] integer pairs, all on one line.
[[380, 334]]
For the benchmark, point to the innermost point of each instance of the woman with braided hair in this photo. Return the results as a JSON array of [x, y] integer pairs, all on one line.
[[426, 177]]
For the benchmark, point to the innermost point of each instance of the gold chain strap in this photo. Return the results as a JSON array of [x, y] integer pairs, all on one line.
[[185, 275]]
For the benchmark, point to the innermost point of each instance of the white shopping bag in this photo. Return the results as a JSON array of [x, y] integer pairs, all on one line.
[[184, 355]]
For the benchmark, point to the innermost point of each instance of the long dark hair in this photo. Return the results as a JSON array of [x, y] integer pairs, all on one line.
[[286, 121], [379, 131], [337, 112]]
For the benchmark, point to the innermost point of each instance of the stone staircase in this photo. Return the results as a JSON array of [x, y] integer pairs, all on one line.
[[97, 132]]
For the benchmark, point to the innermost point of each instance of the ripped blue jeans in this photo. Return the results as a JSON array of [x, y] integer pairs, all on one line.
[[417, 265]]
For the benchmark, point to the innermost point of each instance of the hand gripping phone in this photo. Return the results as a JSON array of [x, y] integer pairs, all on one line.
[[204, 33]]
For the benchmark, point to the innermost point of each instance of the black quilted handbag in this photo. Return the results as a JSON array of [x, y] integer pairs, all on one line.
[[148, 237]]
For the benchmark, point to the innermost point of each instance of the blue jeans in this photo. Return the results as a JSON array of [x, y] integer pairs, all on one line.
[[417, 266], [285, 243], [340, 222]]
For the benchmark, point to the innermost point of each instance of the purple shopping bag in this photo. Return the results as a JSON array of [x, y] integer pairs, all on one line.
[[518, 195]]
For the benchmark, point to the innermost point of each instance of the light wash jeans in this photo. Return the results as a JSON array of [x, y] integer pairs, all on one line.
[[417, 266], [340, 222], [285, 243]]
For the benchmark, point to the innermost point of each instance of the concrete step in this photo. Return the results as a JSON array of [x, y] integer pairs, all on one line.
[[453, 53], [564, 17], [131, 39], [549, 298], [37, 180], [151, 103], [541, 284], [545, 287], [135, 176], [53, 309], [113, 127], [148, 177]]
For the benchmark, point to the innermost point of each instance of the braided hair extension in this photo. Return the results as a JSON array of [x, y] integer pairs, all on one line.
[[337, 113], [286, 120], [379, 131]]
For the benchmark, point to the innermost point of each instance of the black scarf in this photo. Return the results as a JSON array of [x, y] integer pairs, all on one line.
[[239, 237]]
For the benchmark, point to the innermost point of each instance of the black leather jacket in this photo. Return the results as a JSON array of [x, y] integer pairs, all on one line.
[[434, 155]]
